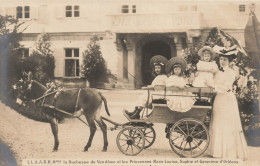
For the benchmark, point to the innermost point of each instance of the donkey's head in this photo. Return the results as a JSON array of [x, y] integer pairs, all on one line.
[[30, 90]]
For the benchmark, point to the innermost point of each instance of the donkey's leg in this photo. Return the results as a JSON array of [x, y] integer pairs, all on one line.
[[103, 128], [93, 128], [54, 128]]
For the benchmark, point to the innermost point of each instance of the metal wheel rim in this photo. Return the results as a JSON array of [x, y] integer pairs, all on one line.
[[189, 139], [130, 141], [149, 136]]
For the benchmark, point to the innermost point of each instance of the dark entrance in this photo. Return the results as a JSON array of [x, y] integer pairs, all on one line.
[[148, 51]]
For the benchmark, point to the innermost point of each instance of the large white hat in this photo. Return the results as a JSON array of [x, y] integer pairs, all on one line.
[[176, 61]]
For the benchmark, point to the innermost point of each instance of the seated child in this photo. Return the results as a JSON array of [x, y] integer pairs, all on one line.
[[178, 102], [157, 64], [206, 68]]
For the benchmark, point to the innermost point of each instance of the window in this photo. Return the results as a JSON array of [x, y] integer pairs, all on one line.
[[71, 62], [72, 11], [25, 53], [125, 9], [242, 8], [22, 12], [133, 8]]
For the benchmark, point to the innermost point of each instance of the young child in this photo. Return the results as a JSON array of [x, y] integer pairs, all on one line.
[[178, 102], [157, 64], [206, 68]]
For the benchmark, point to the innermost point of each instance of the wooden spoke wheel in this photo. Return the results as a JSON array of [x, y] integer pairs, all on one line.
[[189, 138], [149, 136], [130, 141]]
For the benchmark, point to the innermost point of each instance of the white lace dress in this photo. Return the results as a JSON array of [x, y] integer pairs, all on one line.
[[158, 80], [179, 102], [205, 78], [226, 134]]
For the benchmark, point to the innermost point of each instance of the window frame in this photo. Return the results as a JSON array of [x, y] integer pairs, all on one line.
[[76, 62], [125, 9], [134, 9], [242, 8], [22, 14], [74, 11]]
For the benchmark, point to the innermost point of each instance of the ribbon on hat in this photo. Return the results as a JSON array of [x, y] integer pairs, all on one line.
[[226, 51], [162, 64]]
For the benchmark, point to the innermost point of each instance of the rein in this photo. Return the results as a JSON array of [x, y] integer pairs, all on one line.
[[52, 93]]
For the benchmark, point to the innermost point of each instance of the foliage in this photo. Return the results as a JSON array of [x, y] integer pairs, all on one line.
[[248, 102], [190, 54], [94, 66], [10, 52], [41, 62], [247, 97]]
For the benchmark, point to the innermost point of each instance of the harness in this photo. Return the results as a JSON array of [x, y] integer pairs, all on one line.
[[57, 93]]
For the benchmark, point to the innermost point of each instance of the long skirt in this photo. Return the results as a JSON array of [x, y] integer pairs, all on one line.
[[227, 139]]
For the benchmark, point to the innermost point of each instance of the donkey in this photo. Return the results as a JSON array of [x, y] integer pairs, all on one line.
[[85, 101]]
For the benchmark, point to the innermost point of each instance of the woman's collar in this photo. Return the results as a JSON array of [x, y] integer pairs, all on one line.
[[226, 67]]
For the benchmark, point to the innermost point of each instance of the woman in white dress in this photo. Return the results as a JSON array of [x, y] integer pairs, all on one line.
[[227, 137]]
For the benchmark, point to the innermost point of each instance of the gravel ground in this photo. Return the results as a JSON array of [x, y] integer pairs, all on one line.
[[29, 139]]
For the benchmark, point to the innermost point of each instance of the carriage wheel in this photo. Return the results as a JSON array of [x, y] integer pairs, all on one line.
[[149, 136], [130, 141], [189, 138]]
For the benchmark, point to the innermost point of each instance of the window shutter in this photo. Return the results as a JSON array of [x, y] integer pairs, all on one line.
[[59, 67], [60, 11], [10, 11], [59, 55], [34, 12]]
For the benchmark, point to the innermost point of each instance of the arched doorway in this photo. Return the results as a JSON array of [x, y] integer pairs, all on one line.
[[146, 47], [148, 51]]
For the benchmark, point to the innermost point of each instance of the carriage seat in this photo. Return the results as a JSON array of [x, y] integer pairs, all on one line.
[[159, 101]]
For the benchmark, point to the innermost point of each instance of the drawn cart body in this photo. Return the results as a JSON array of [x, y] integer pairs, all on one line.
[[188, 135]]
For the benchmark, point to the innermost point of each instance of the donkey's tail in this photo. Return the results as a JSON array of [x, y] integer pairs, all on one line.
[[105, 103]]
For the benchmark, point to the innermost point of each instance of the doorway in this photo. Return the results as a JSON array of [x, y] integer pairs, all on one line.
[[148, 51]]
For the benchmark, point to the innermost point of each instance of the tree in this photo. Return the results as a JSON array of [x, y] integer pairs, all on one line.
[[10, 52], [94, 66], [42, 62]]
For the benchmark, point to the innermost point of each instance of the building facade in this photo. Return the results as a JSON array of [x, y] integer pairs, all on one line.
[[130, 31]]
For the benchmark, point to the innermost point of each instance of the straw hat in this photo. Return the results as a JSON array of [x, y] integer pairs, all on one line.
[[158, 60], [174, 62], [209, 49]]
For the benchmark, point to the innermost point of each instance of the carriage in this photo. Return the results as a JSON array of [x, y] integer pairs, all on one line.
[[188, 131]]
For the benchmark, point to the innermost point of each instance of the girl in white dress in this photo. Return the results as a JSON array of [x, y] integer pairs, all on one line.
[[206, 68], [227, 137], [178, 102], [157, 64]]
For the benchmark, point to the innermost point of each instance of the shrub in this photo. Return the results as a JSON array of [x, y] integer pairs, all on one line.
[[10, 53], [42, 62], [94, 66]]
